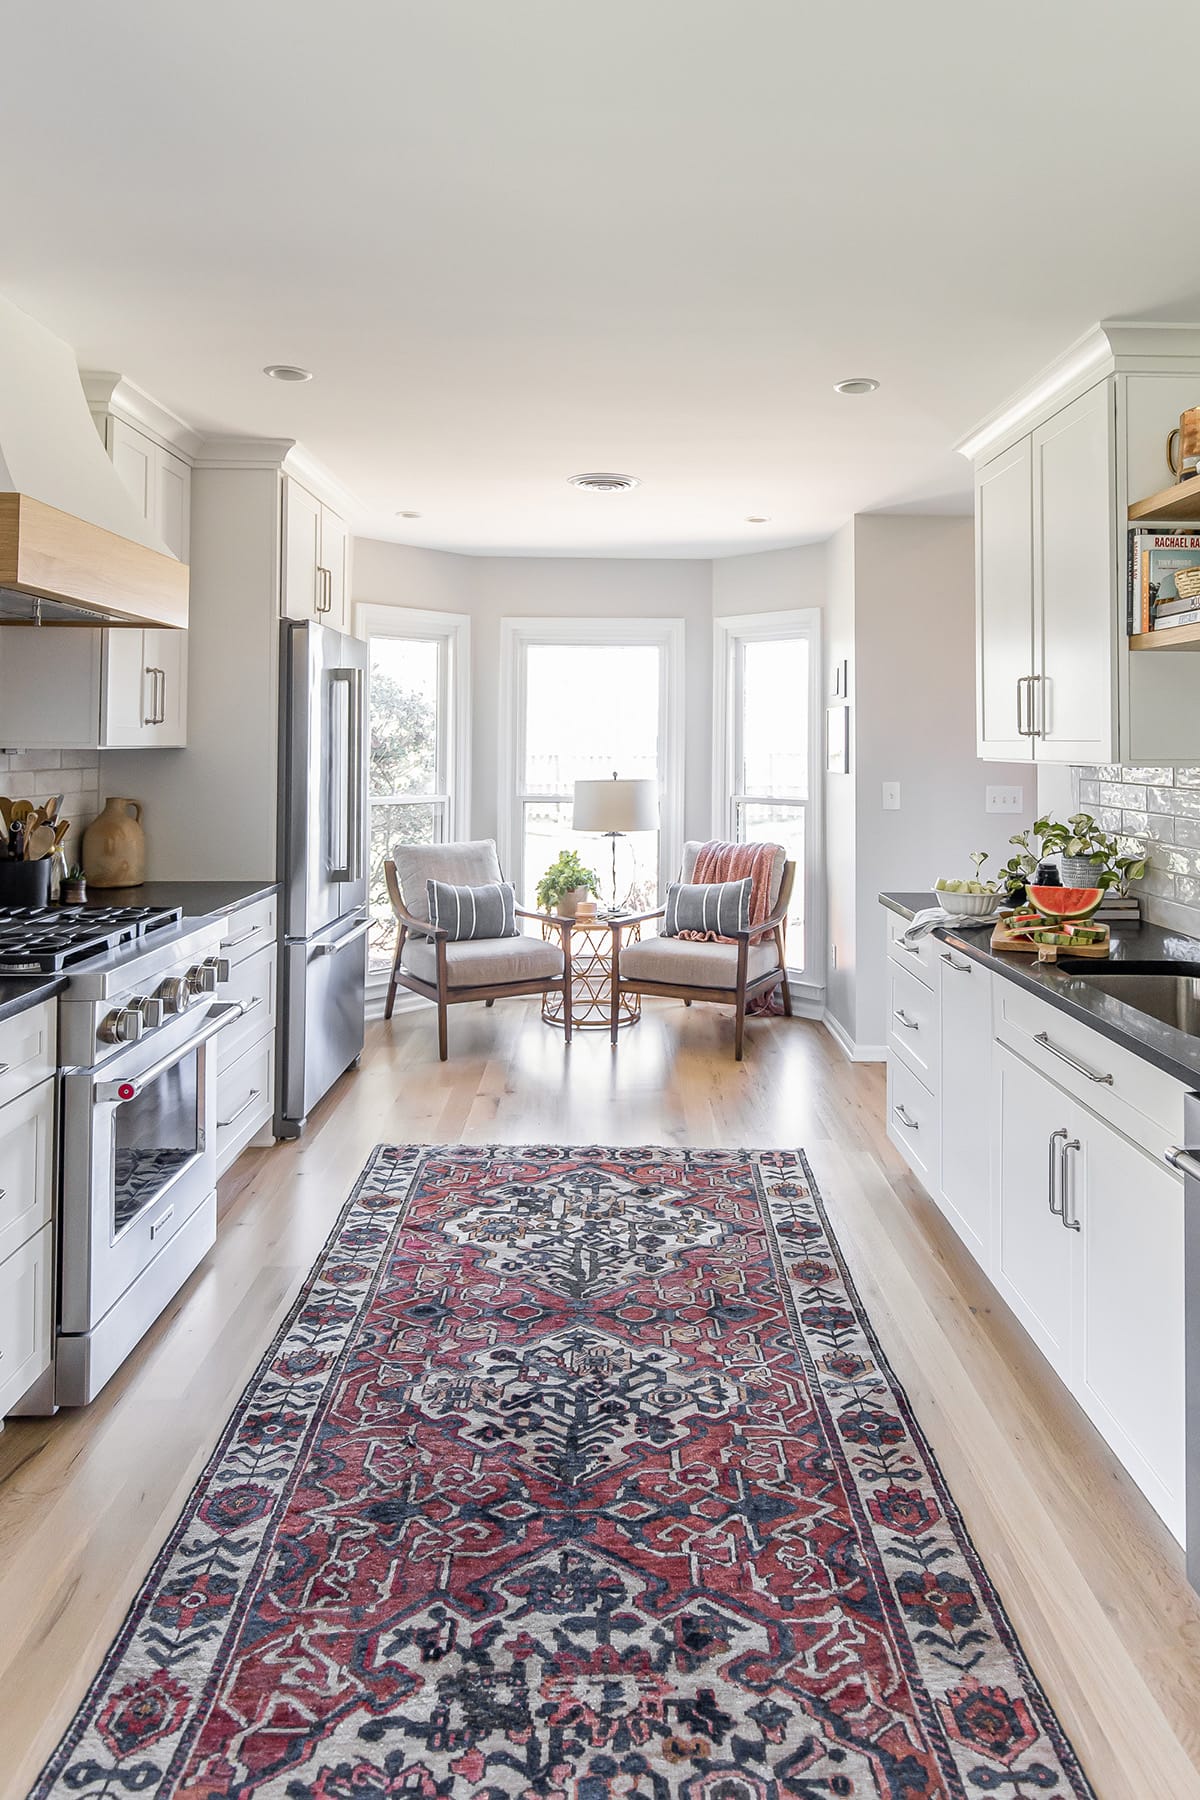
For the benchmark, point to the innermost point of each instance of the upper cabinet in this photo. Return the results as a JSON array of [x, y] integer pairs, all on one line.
[[316, 559], [1057, 681], [159, 480], [91, 689]]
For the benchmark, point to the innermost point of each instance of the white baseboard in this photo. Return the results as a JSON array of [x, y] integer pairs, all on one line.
[[856, 1053]]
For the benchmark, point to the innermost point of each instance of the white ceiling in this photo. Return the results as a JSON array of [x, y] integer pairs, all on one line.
[[516, 239]]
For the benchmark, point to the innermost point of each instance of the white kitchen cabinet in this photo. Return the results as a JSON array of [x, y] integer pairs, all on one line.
[[1046, 614], [965, 1060], [316, 552], [1076, 616], [159, 480], [246, 1050], [1004, 603], [1127, 1355], [1032, 1249], [93, 689]]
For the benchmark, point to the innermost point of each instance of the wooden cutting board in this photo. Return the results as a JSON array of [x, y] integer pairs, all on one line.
[[1004, 939]]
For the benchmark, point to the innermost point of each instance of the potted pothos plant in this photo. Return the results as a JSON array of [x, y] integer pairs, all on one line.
[[1089, 856], [566, 882]]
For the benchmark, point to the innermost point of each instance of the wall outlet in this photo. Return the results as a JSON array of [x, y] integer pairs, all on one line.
[[891, 796], [1005, 800]]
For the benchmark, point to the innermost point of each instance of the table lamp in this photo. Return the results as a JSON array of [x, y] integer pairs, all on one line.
[[614, 808]]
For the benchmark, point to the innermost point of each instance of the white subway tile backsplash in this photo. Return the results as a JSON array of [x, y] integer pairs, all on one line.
[[37, 774], [1088, 793], [1160, 807], [1160, 800]]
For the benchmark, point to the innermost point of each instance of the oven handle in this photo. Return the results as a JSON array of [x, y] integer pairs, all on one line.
[[113, 1093]]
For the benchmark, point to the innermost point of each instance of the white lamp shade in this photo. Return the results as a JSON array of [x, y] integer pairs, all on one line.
[[615, 806]]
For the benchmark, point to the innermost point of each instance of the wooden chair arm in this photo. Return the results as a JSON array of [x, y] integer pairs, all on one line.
[[637, 918], [523, 912]]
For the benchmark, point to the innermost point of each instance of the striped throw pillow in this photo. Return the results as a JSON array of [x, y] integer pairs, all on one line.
[[719, 906], [473, 912]]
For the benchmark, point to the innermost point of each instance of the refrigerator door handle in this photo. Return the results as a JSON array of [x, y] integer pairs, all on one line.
[[351, 868], [351, 937]]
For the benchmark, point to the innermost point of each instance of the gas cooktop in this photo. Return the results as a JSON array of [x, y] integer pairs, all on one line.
[[42, 940]]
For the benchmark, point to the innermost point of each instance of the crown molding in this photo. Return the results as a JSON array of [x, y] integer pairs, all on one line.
[[108, 391], [243, 452]]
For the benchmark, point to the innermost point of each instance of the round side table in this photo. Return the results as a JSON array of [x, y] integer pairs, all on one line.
[[591, 978]]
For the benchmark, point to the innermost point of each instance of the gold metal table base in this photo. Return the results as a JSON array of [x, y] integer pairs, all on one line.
[[591, 979]]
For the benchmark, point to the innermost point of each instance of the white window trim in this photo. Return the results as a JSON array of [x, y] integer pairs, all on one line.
[[728, 632], [454, 629], [516, 635]]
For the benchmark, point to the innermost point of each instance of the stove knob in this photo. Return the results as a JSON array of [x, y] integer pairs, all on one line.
[[175, 993], [123, 1027], [205, 976], [151, 1009]]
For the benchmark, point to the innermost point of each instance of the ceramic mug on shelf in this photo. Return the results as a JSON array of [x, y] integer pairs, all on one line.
[[1183, 445]]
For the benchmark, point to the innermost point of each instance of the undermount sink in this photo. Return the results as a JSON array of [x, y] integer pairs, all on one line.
[[1166, 991]]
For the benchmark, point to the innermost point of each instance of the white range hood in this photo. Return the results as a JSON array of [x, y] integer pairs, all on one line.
[[74, 549]]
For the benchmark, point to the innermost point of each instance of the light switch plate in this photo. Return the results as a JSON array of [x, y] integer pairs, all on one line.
[[1005, 800], [891, 796]]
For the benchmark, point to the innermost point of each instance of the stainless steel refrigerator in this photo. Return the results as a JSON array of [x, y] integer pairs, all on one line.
[[322, 864]]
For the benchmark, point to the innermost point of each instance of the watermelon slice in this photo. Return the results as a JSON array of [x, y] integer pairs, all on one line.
[[1065, 902]]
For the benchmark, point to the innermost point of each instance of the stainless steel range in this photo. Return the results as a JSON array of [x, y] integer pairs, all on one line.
[[138, 1165]]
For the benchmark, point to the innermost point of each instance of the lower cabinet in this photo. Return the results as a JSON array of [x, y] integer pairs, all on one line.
[[246, 1049], [1074, 1216], [26, 1316]]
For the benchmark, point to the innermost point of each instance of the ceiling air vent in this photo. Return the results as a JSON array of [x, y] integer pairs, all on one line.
[[602, 483]]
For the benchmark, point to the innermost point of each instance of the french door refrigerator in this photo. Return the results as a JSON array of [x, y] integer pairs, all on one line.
[[322, 865]]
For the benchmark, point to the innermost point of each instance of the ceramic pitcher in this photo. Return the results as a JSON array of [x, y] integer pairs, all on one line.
[[114, 846]]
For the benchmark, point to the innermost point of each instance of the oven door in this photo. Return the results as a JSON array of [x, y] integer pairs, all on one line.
[[139, 1156]]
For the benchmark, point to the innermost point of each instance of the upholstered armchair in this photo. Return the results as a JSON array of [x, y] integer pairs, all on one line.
[[687, 969], [429, 962]]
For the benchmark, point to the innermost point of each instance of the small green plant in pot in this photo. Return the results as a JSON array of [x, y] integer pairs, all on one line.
[[566, 882], [1092, 857]]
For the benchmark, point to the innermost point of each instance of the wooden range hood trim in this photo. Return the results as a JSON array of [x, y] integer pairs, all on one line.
[[48, 553]]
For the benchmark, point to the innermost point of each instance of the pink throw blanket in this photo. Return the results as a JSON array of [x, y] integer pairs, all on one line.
[[734, 862]]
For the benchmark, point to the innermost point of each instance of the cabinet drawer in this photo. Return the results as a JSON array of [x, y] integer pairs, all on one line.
[[913, 1024], [912, 1122], [26, 1167], [26, 1291], [250, 929], [252, 982], [919, 958], [1130, 1093], [245, 1099], [28, 1043]]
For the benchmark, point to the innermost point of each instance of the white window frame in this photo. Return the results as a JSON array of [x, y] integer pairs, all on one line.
[[452, 632], [731, 634], [516, 635]]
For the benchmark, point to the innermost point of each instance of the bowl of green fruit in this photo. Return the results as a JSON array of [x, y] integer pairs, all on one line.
[[972, 898]]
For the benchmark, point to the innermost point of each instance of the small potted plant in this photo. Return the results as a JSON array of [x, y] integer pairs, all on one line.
[[566, 882], [74, 887], [1092, 857]]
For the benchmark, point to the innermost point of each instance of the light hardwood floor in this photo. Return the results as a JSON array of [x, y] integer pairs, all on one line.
[[1093, 1582]]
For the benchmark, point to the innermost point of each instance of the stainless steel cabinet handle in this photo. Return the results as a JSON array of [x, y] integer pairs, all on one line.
[[909, 949], [1052, 1193], [1080, 1068], [163, 1219], [224, 1124], [232, 943], [960, 968], [4, 1068], [1023, 729], [902, 1018], [1186, 1161], [162, 698], [1068, 1219], [908, 1123], [1039, 704], [3, 1191]]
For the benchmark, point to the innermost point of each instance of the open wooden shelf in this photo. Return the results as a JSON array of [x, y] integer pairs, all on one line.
[[1180, 503], [1171, 637]]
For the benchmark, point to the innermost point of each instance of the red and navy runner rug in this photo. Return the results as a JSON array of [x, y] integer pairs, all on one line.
[[574, 1474]]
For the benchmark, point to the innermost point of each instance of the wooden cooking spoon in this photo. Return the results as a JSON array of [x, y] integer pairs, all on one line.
[[39, 843]]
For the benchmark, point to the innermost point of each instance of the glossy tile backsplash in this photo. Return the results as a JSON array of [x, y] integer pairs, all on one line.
[[75, 774], [1161, 806]]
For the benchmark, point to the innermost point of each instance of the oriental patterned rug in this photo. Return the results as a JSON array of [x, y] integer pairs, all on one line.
[[574, 1474]]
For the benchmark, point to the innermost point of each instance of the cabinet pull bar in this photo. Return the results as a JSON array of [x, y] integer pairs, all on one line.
[[1080, 1068], [1052, 1163], [1069, 1220], [960, 968], [902, 1018], [1186, 1161], [909, 1124], [224, 1124], [1022, 730], [909, 949], [4, 1068], [232, 943]]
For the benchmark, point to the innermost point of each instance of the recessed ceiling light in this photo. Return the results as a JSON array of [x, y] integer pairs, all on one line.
[[408, 515], [600, 482], [758, 518], [858, 384], [287, 372]]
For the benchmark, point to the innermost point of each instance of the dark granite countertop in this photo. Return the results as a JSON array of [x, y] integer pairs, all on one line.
[[19, 992], [1169, 1049], [199, 899]]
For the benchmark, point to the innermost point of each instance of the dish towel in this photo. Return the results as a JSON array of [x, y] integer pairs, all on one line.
[[924, 922], [716, 861]]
